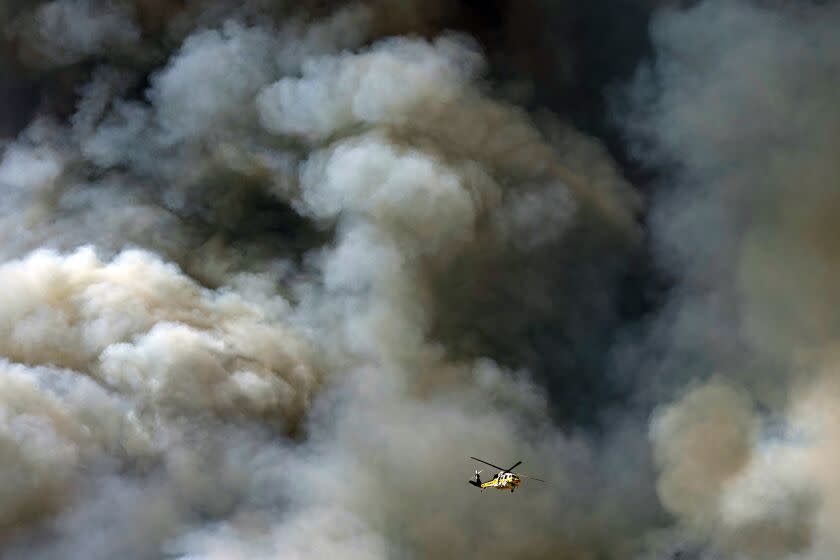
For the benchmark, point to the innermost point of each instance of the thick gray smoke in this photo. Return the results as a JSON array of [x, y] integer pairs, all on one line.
[[250, 277], [273, 270], [740, 107]]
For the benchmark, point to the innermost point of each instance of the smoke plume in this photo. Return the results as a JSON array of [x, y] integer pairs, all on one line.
[[272, 271], [738, 108]]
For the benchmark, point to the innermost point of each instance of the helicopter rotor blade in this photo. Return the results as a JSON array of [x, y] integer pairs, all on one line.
[[514, 466], [530, 477], [486, 463]]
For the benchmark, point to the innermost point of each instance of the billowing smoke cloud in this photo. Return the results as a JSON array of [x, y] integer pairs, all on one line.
[[273, 270], [739, 108], [269, 281]]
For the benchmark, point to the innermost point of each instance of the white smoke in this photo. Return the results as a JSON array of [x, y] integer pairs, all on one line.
[[272, 272], [63, 32], [739, 106], [204, 389]]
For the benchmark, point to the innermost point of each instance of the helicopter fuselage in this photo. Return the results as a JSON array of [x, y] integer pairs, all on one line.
[[502, 481], [505, 479]]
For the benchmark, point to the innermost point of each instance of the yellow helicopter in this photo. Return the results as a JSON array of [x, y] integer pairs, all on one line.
[[506, 479]]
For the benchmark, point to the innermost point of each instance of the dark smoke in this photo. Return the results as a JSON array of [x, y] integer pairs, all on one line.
[[273, 270]]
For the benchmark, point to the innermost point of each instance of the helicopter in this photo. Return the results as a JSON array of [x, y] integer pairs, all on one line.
[[506, 479]]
